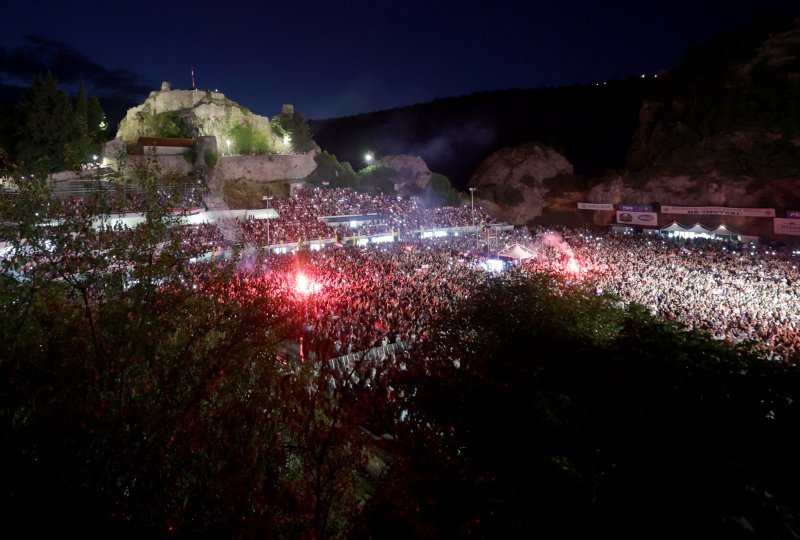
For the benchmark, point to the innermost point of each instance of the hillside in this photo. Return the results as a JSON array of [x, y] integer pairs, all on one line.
[[192, 113], [732, 108], [591, 125]]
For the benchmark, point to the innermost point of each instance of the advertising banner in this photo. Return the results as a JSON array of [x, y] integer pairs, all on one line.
[[647, 219], [787, 226], [595, 206], [636, 207], [718, 211], [793, 214]]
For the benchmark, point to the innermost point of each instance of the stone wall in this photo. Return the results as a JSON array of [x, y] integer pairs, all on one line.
[[168, 164], [267, 167], [262, 168]]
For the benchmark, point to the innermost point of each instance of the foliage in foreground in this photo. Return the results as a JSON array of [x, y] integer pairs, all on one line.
[[49, 134], [544, 411], [141, 395]]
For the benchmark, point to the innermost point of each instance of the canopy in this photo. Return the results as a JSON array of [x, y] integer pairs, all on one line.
[[674, 227], [698, 229], [516, 252], [722, 230]]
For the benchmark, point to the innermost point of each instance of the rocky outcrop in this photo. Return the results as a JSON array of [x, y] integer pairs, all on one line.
[[513, 183], [203, 112], [732, 108], [413, 174]]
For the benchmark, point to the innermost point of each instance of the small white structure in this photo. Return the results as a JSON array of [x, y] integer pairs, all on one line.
[[516, 252]]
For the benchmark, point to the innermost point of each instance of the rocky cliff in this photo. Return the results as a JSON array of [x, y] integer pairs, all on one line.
[[413, 174], [731, 109], [200, 112], [513, 183], [722, 129]]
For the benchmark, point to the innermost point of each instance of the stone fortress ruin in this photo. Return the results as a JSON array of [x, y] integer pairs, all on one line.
[[203, 131]]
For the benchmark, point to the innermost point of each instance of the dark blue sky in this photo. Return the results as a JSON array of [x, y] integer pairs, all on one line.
[[341, 58]]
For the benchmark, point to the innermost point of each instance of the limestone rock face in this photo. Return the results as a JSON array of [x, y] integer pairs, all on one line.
[[709, 190], [730, 109], [208, 113], [512, 183], [680, 191], [413, 174]]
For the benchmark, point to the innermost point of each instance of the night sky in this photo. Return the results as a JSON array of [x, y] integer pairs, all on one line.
[[334, 58]]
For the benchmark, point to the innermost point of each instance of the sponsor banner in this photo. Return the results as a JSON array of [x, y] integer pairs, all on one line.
[[595, 206], [787, 226], [647, 219], [636, 207], [793, 214], [719, 211]]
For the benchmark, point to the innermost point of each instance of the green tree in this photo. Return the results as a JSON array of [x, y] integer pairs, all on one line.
[[296, 127], [247, 140], [48, 128], [331, 170], [96, 120], [377, 178], [543, 410], [91, 123], [81, 108], [442, 192], [167, 124], [146, 395]]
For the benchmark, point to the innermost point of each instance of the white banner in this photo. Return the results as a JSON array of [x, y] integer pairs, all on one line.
[[648, 219], [787, 226], [595, 206], [719, 211]]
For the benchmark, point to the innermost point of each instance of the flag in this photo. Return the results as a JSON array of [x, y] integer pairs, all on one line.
[[194, 86]]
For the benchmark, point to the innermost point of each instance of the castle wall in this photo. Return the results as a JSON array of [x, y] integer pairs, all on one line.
[[267, 167], [263, 167], [168, 164]]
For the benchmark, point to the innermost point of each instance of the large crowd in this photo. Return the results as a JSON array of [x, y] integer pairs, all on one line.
[[734, 291], [298, 218], [389, 293]]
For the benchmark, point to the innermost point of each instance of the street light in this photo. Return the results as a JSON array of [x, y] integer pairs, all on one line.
[[268, 198], [472, 205], [368, 157], [228, 142]]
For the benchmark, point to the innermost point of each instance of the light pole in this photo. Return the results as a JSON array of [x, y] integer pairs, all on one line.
[[472, 205], [268, 198]]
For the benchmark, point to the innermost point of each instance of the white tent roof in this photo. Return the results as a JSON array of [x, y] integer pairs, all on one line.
[[516, 252], [698, 229], [722, 230], [674, 227]]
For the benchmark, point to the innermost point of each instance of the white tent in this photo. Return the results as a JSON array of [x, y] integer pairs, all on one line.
[[722, 230], [517, 252], [698, 229], [673, 227]]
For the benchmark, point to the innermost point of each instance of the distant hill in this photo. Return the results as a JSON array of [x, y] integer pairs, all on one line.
[[592, 125], [720, 129], [731, 108]]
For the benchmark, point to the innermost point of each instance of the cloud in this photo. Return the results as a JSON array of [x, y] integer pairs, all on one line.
[[68, 66]]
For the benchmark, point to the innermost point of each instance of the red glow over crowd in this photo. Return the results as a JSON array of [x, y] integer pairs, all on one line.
[[734, 292], [354, 298]]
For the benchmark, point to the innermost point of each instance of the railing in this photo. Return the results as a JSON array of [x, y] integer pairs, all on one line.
[[383, 352]]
